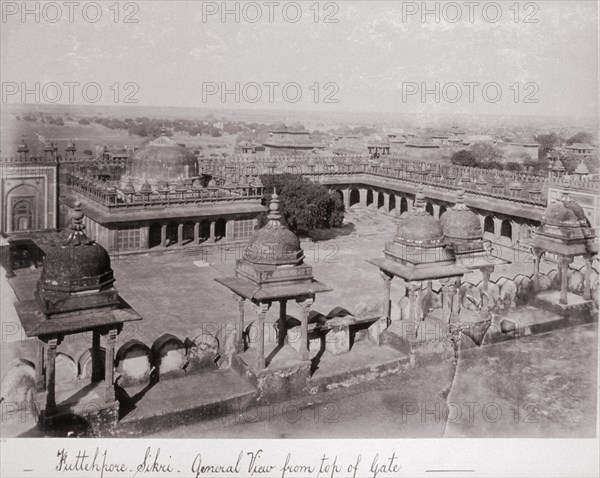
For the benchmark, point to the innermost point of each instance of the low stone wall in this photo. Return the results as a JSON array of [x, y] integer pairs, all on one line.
[[136, 364], [505, 292]]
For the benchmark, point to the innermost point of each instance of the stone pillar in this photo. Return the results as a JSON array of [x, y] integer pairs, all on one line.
[[212, 237], [51, 377], [436, 210], [564, 279], [260, 352], [386, 202], [537, 257], [411, 288], [346, 193], [282, 322], [96, 358], [144, 237], [587, 292], [363, 197], [455, 300], [497, 227], [241, 347], [180, 234], [8, 262], [229, 230], [387, 281], [109, 370], [40, 385], [196, 233], [163, 235], [304, 350], [446, 302]]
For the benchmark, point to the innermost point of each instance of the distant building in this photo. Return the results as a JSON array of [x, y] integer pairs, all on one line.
[[582, 149], [29, 191], [285, 141]]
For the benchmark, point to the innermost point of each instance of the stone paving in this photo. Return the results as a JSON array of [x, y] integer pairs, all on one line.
[[543, 387], [175, 295]]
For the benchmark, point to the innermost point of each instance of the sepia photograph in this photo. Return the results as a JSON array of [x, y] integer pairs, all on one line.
[[299, 239]]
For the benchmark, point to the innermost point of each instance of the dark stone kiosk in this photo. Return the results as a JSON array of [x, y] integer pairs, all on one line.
[[74, 295]]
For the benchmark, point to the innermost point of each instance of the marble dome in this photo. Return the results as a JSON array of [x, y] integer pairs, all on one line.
[[162, 159], [418, 226], [460, 222]]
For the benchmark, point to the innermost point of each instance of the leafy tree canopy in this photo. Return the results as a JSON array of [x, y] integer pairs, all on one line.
[[304, 205]]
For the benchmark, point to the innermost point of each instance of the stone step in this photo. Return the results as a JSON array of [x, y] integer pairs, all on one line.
[[182, 400]]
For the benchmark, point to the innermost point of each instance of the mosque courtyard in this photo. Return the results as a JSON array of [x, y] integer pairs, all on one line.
[[541, 385]]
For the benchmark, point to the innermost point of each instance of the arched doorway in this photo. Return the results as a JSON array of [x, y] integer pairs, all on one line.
[[403, 205], [172, 229], [392, 204], [488, 225], [204, 230], [380, 200], [369, 197], [154, 235], [188, 231], [506, 229], [429, 209], [220, 229], [442, 210], [340, 194], [22, 216], [354, 197]]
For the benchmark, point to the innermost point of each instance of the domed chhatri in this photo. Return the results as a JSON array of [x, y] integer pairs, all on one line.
[[274, 244], [163, 159], [76, 273], [418, 226], [419, 239], [460, 223], [557, 214]]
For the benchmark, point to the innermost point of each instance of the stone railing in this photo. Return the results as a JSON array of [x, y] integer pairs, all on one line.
[[118, 198]]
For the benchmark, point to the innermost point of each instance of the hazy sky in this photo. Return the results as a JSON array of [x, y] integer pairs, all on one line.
[[367, 58]]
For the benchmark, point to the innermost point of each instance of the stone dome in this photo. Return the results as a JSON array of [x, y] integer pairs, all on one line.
[[162, 159], [575, 207], [557, 214], [418, 226], [274, 244], [460, 222], [77, 264]]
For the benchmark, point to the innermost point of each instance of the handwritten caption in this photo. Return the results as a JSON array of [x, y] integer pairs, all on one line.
[[247, 463]]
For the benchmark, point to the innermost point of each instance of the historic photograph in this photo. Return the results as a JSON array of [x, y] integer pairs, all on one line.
[[296, 220]]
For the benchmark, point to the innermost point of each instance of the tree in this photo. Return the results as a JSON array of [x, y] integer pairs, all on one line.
[[486, 153], [304, 205], [580, 137], [547, 143], [464, 158]]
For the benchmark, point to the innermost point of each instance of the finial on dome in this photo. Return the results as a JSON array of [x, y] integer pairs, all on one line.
[[77, 236], [163, 130], [274, 214], [420, 198]]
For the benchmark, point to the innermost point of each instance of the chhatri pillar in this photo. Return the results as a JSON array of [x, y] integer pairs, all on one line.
[[272, 269], [75, 294], [565, 233], [418, 254], [464, 235]]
